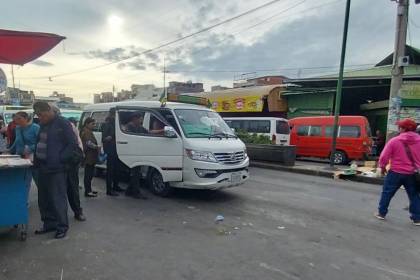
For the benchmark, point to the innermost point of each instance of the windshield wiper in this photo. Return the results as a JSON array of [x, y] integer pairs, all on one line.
[[223, 134]]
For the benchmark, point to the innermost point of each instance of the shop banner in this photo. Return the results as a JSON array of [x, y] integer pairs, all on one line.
[[237, 104], [410, 90]]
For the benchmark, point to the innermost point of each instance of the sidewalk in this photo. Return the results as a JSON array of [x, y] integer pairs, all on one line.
[[310, 168]]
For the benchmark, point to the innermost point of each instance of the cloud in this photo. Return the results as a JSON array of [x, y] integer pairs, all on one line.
[[42, 63], [304, 42]]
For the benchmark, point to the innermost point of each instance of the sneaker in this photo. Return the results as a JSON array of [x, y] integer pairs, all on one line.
[[379, 216], [416, 222]]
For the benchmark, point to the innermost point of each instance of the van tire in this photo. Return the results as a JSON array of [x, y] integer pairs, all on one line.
[[340, 157], [156, 184]]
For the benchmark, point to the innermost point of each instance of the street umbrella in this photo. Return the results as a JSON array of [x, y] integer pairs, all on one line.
[[21, 47]]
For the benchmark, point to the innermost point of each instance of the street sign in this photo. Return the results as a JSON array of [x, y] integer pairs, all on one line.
[[3, 81]]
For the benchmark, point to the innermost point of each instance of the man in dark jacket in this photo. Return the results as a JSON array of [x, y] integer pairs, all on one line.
[[56, 141], [110, 148]]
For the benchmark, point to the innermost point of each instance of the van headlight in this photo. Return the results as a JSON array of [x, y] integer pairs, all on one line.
[[200, 155], [245, 154]]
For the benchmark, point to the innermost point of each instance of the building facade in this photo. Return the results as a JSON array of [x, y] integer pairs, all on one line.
[[261, 81], [188, 87]]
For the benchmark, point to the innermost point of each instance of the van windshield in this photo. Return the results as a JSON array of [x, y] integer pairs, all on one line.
[[202, 124]]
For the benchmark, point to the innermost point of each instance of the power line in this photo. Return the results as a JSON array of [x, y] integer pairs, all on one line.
[[270, 18], [168, 43], [264, 70]]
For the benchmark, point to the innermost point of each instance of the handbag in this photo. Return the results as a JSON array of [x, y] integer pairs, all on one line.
[[416, 169]]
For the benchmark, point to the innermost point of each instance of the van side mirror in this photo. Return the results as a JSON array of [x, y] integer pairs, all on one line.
[[169, 132], [233, 129]]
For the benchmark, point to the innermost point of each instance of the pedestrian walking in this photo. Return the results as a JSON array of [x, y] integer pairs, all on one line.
[[73, 179], [403, 154], [110, 148], [25, 142], [56, 146], [91, 150]]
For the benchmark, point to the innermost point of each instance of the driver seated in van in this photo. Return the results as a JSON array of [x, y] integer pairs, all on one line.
[[135, 124]]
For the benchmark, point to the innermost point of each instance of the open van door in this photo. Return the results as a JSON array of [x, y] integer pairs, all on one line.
[[144, 138]]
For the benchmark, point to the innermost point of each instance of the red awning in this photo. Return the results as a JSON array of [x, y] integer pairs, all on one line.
[[19, 47]]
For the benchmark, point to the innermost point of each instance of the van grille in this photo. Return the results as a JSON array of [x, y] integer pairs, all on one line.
[[230, 158]]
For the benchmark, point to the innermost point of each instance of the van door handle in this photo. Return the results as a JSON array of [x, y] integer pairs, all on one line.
[[122, 142]]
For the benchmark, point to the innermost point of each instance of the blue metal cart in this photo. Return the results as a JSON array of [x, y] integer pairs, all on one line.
[[14, 194]]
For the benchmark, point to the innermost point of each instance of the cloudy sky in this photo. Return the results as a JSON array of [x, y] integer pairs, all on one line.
[[295, 38]]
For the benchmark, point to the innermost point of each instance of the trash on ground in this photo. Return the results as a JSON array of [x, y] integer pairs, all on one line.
[[281, 227], [219, 218]]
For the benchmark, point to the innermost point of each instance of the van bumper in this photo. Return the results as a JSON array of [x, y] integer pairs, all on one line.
[[227, 177]]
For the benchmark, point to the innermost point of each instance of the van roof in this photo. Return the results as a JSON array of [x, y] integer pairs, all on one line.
[[148, 104], [256, 118], [327, 119]]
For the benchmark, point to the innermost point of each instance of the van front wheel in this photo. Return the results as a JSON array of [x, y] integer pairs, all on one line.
[[157, 185], [340, 157]]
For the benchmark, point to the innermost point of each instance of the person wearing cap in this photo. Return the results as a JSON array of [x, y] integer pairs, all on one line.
[[56, 142], [403, 152]]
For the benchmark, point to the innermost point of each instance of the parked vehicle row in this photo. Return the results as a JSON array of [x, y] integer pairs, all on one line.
[[312, 136]]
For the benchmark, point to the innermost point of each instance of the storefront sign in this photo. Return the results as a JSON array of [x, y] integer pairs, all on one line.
[[237, 104], [410, 90]]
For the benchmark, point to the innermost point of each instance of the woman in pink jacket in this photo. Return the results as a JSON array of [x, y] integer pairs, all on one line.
[[397, 152]]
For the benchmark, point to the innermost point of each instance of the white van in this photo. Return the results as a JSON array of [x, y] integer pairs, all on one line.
[[185, 146], [7, 111], [276, 128]]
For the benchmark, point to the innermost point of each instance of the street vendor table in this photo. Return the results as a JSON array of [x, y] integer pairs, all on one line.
[[14, 193]]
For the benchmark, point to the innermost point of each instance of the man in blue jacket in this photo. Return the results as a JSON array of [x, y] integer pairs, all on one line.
[[56, 141]]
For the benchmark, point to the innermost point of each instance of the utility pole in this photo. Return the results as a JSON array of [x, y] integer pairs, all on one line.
[[397, 68], [13, 77], [164, 79], [340, 85]]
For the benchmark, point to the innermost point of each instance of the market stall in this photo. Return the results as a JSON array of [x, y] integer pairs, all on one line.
[[14, 172]]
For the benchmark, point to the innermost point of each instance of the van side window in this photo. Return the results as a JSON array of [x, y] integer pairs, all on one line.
[[282, 127], [350, 131], [258, 126], [140, 122], [99, 117], [303, 130], [170, 118], [315, 131]]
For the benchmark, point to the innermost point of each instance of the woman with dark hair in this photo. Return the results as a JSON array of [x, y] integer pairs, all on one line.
[[91, 149], [26, 134]]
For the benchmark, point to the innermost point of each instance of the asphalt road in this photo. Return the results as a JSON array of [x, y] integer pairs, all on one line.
[[277, 226]]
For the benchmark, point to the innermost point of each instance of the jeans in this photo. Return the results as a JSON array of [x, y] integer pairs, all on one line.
[[393, 182], [89, 171], [134, 185]]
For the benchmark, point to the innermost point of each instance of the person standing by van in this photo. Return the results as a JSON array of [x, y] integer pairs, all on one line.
[[135, 126], [110, 148], [403, 152], [73, 179], [91, 149]]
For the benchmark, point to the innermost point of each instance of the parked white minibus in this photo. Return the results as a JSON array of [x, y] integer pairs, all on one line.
[[183, 145], [276, 128]]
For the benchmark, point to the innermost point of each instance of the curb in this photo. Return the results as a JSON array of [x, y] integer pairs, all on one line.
[[314, 172]]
